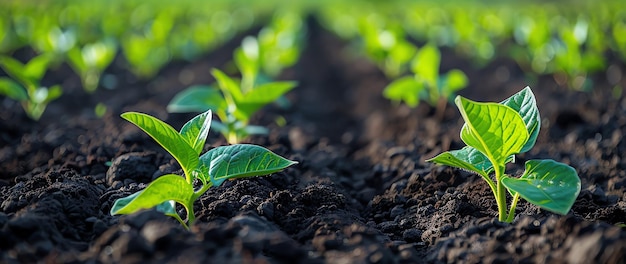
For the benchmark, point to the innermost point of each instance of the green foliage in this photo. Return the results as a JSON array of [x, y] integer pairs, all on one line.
[[145, 55], [149, 36], [91, 60], [211, 169], [542, 37], [426, 83], [280, 42], [384, 43], [25, 84], [494, 133], [232, 104]]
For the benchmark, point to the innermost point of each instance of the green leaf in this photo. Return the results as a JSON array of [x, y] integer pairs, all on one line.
[[403, 52], [167, 208], [227, 84], [525, 104], [405, 89], [496, 130], [244, 111], [548, 184], [15, 69], [252, 101], [165, 188], [426, 64], [75, 58], [240, 161], [467, 158], [167, 137], [54, 92], [455, 80], [37, 66], [12, 89], [247, 60], [196, 130], [99, 54], [197, 98], [268, 92]]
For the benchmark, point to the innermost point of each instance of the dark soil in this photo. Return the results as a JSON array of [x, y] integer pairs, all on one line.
[[361, 192]]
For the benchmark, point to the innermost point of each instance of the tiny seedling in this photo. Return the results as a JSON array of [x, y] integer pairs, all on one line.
[[385, 44], [145, 55], [232, 102], [25, 85], [494, 133], [91, 60], [281, 42], [211, 169], [426, 83]]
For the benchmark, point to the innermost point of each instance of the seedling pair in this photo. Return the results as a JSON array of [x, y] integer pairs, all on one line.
[[494, 133], [211, 169], [25, 85], [426, 82]]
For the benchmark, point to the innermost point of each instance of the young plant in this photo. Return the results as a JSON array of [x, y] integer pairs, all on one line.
[[234, 103], [91, 60], [25, 85], [385, 44], [281, 42], [211, 169], [494, 133], [426, 82]]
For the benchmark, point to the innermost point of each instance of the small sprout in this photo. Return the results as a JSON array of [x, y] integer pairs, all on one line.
[[100, 110], [494, 133], [426, 83], [231, 103], [211, 169], [25, 85], [91, 60], [145, 55], [386, 45]]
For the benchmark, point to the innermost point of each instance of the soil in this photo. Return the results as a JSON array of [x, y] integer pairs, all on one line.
[[361, 193]]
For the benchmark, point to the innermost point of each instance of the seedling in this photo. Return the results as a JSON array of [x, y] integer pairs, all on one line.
[[25, 85], [232, 102], [91, 60], [281, 42], [426, 83], [386, 45], [211, 169], [145, 55], [494, 133]]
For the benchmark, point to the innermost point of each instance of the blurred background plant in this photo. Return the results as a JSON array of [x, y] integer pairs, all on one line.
[[569, 40]]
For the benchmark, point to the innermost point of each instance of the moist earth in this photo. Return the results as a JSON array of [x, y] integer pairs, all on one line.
[[361, 193]]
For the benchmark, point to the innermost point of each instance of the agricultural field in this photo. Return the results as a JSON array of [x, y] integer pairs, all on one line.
[[380, 132]]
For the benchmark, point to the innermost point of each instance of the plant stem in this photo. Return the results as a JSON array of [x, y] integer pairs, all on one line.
[[202, 190], [232, 137], [512, 210], [177, 217], [500, 194], [191, 217]]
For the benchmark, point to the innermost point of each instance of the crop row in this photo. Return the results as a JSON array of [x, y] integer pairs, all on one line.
[[88, 37], [403, 39], [568, 40]]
